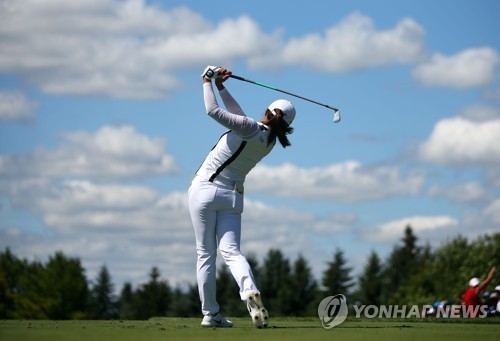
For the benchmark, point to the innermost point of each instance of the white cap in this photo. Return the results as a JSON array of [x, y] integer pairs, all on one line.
[[286, 107], [474, 282], [497, 288]]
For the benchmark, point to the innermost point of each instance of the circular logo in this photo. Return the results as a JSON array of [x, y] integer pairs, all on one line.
[[332, 311]]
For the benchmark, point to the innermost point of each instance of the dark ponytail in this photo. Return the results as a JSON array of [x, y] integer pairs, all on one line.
[[279, 128]]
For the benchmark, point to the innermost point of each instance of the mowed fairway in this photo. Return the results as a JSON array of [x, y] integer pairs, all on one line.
[[308, 329]]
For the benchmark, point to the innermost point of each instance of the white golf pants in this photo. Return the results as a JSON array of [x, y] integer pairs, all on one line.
[[216, 217]]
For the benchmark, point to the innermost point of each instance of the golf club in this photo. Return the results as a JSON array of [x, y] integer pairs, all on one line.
[[336, 112]]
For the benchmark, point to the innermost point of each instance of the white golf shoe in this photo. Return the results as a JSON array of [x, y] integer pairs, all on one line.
[[259, 314], [216, 321]]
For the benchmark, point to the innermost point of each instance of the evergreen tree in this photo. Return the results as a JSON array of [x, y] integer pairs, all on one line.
[[411, 275], [420, 287], [126, 302], [303, 289], [402, 264], [275, 283], [11, 271], [102, 302], [185, 304], [152, 298], [33, 299], [64, 286], [56, 290], [370, 281], [337, 277]]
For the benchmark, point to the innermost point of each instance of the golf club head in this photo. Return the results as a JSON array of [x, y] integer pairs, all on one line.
[[336, 116]]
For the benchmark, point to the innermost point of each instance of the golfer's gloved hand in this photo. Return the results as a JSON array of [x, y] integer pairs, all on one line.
[[211, 72]]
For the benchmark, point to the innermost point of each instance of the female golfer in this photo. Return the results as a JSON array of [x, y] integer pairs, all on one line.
[[216, 193]]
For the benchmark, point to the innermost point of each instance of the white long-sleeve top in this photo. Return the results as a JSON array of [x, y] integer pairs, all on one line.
[[239, 149]]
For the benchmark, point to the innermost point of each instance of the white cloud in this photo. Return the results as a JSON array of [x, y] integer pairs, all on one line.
[[493, 176], [338, 222], [74, 195], [470, 68], [492, 212], [15, 106], [111, 151], [480, 113], [485, 220], [355, 43], [128, 227], [131, 228], [100, 48], [457, 141], [422, 226], [466, 192], [349, 181]]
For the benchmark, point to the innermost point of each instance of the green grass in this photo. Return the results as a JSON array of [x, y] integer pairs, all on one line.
[[308, 329]]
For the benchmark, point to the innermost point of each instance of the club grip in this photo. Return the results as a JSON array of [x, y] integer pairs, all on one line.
[[238, 77]]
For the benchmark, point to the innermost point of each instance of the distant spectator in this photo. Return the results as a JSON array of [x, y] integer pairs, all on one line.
[[494, 300], [438, 308], [472, 296]]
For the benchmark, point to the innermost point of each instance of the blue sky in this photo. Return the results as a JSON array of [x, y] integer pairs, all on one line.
[[102, 126]]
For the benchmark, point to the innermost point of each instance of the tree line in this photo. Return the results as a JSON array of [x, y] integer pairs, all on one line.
[[412, 274]]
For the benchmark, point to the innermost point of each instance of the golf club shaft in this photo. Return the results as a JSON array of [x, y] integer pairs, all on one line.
[[283, 91]]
